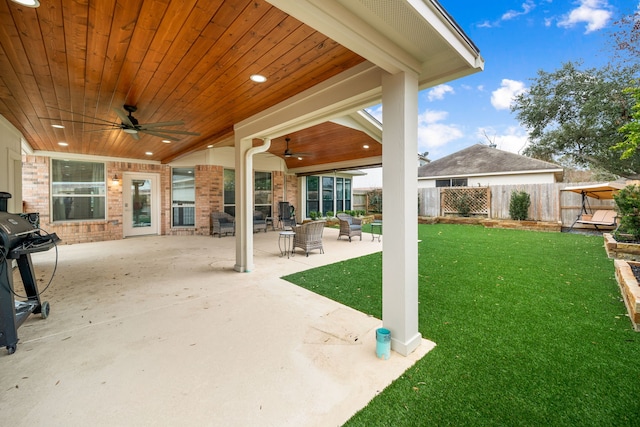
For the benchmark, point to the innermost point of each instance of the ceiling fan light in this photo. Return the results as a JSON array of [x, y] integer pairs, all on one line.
[[129, 130], [27, 3]]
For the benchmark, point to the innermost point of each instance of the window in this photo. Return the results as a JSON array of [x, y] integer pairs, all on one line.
[[334, 198], [230, 192], [328, 193], [262, 192], [454, 182], [339, 194], [347, 194], [78, 190], [313, 203], [183, 193]]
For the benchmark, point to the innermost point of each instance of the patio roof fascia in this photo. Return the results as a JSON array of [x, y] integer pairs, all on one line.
[[390, 40]]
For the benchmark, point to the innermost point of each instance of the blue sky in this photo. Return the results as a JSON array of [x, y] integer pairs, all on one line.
[[516, 39]]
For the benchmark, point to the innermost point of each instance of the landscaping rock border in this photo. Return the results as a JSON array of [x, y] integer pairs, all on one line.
[[630, 289]]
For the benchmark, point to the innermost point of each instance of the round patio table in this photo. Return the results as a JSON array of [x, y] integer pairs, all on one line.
[[285, 243]]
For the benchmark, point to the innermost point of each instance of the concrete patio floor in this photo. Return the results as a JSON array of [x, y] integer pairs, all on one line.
[[160, 330]]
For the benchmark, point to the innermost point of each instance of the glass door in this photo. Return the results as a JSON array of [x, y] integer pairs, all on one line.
[[140, 204]]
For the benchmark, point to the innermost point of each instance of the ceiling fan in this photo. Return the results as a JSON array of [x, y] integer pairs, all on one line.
[[131, 126], [288, 153]]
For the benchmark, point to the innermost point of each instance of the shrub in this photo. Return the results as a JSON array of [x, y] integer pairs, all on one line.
[[519, 205], [462, 203], [628, 202], [329, 214], [313, 215]]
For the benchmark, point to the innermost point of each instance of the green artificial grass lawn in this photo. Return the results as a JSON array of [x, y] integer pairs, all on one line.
[[530, 330]]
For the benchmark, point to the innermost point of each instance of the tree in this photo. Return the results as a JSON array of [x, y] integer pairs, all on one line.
[[626, 39], [631, 129], [577, 114]]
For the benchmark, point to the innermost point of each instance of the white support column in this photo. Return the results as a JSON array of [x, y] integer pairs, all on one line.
[[244, 201], [244, 192], [400, 210]]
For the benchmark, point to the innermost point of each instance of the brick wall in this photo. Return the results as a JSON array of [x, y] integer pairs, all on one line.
[[209, 198]]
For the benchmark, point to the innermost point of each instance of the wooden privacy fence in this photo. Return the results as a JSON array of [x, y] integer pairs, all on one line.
[[548, 201]]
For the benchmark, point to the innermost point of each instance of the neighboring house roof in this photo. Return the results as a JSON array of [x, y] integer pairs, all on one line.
[[484, 160]]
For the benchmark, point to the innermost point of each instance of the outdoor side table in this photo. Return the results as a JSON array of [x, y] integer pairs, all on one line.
[[285, 243], [376, 228]]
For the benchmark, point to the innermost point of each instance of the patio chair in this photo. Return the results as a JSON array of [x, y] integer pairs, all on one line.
[[349, 226], [259, 222], [222, 222], [308, 236], [286, 216]]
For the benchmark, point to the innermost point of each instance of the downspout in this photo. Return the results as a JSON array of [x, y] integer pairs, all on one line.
[[248, 202]]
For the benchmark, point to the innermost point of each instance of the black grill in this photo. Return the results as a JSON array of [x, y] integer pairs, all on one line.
[[20, 236]]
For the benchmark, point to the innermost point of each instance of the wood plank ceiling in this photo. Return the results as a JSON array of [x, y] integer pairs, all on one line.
[[73, 62]]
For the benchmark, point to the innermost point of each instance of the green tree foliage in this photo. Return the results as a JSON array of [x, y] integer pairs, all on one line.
[[519, 205], [631, 129], [577, 114]]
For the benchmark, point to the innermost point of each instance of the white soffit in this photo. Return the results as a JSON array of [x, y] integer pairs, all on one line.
[[362, 121], [396, 35]]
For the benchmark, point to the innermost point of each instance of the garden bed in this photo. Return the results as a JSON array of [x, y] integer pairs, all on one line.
[[621, 250], [494, 223], [629, 288]]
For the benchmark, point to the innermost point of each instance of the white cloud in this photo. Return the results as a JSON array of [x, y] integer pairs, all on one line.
[[431, 133], [595, 13], [376, 112], [439, 92], [502, 98], [527, 7], [514, 139]]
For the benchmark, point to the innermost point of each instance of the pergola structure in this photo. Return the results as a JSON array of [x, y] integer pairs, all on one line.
[[323, 60]]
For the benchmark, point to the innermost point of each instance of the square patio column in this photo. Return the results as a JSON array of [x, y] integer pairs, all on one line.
[[244, 195], [400, 210]]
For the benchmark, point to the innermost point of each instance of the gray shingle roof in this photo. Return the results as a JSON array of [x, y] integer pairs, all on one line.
[[481, 160]]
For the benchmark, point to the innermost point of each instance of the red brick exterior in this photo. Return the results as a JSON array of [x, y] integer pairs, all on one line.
[[209, 181]]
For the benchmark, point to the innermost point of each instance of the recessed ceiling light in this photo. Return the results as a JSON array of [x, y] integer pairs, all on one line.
[[27, 3], [209, 146], [57, 126], [365, 146], [299, 158], [166, 141], [63, 144], [258, 78], [149, 153]]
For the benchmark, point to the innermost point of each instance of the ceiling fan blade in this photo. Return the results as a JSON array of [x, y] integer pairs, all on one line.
[[178, 132], [124, 118], [107, 123], [155, 125], [158, 134]]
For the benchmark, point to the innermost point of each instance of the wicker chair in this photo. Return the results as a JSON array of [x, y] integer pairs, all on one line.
[[259, 222], [349, 226], [308, 236], [222, 222]]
